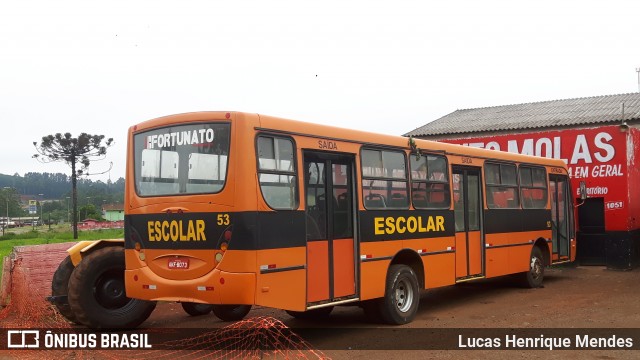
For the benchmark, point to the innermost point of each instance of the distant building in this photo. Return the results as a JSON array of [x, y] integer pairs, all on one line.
[[113, 212], [598, 137]]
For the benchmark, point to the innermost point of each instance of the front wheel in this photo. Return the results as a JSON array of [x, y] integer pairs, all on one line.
[[401, 297], [231, 312], [534, 277], [97, 292]]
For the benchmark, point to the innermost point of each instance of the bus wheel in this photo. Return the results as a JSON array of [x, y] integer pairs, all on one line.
[[97, 292], [196, 309], [315, 314], [533, 278], [231, 312], [401, 296], [60, 288]]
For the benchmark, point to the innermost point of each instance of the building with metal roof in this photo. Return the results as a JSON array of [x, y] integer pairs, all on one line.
[[554, 114], [599, 139]]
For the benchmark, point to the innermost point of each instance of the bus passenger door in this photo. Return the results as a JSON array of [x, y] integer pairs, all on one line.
[[331, 248], [560, 207], [467, 198]]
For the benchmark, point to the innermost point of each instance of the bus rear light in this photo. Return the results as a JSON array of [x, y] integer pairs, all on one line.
[[222, 281], [422, 251], [488, 245], [451, 248], [227, 116], [205, 288], [362, 257], [135, 277], [218, 257], [149, 287], [227, 235], [224, 246], [134, 238], [137, 246], [268, 267]]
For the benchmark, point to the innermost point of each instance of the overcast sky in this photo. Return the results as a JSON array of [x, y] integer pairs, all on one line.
[[382, 66]]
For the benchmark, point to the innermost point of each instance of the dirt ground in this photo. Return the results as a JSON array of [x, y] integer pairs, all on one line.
[[572, 297], [577, 299]]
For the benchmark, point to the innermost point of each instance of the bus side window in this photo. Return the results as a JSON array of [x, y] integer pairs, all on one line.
[[501, 186], [430, 182], [533, 187], [384, 179], [277, 172]]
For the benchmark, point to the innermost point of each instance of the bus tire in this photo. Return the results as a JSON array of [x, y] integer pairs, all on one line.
[[97, 292], [196, 309], [231, 312], [401, 297], [315, 314], [534, 277], [60, 287]]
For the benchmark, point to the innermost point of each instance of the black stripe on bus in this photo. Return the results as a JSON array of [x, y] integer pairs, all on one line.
[[250, 230], [253, 230], [515, 220], [282, 269], [378, 225]]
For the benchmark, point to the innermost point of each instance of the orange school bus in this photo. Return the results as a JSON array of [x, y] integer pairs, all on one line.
[[225, 210]]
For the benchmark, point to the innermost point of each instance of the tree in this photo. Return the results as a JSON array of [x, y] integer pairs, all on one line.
[[9, 206], [73, 151]]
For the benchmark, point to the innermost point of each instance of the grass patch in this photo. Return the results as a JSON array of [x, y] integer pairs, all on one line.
[[53, 236], [31, 237]]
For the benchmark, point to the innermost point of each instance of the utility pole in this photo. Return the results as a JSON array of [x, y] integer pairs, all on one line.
[[41, 217], [6, 222], [638, 71]]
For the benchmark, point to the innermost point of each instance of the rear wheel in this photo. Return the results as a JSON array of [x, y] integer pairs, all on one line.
[[231, 312], [196, 309], [315, 314], [97, 292], [401, 296], [60, 289], [534, 277]]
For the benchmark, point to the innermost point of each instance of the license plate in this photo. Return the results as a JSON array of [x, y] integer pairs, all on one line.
[[179, 263]]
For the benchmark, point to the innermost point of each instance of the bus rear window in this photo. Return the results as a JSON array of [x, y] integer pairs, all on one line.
[[182, 159]]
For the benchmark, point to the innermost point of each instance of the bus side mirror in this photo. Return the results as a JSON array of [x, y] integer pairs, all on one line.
[[583, 190]]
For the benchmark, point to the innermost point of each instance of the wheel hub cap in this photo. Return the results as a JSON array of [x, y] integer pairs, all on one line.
[[403, 296]]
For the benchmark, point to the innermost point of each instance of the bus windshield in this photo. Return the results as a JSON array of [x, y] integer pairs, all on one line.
[[181, 159]]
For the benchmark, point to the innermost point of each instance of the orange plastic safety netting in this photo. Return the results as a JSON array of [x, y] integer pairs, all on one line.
[[29, 283], [32, 269]]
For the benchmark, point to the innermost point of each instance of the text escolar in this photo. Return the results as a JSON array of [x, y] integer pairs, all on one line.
[[412, 224], [176, 230]]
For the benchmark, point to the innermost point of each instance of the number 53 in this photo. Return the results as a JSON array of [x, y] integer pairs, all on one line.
[[223, 219]]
